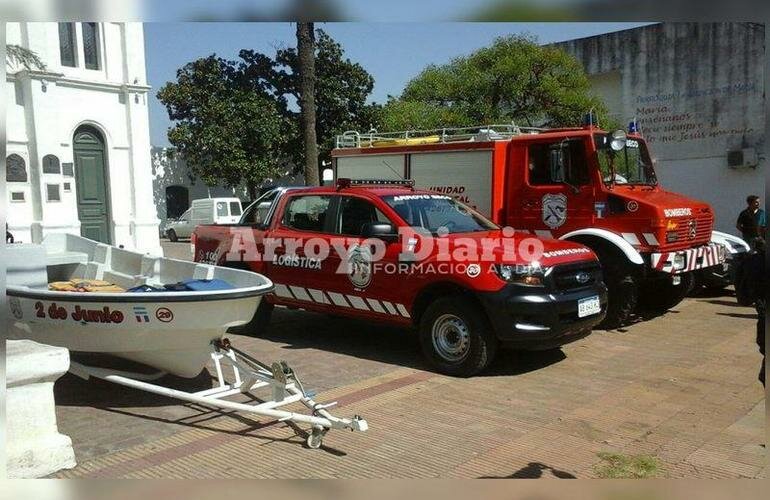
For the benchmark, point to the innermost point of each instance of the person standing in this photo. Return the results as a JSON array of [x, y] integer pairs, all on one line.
[[750, 286], [752, 222]]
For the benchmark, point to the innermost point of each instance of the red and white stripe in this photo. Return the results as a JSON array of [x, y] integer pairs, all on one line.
[[701, 257], [313, 295]]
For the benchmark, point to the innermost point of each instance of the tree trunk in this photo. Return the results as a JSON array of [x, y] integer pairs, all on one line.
[[251, 188], [306, 60]]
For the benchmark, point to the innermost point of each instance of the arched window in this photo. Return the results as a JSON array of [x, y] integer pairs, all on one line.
[[177, 201], [15, 169], [51, 165]]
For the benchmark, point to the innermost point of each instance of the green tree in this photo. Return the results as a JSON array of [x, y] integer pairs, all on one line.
[[239, 121], [229, 129], [16, 55], [341, 90], [514, 79]]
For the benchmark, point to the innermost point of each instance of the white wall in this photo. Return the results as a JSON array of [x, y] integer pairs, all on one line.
[[44, 110], [169, 169]]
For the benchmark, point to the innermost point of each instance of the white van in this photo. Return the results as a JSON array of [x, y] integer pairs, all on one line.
[[215, 211]]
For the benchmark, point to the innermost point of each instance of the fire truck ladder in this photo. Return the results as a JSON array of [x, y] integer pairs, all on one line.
[[492, 132]]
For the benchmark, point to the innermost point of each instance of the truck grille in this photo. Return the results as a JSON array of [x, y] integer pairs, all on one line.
[[569, 277], [692, 231]]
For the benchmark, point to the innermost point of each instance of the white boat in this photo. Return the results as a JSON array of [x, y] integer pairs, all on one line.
[[170, 331], [176, 332]]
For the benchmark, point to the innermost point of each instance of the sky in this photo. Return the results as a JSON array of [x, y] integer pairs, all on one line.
[[392, 53]]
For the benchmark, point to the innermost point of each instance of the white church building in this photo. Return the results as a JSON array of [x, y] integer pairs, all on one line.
[[78, 142]]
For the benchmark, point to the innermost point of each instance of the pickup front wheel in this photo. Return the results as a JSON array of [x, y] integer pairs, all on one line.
[[456, 337]]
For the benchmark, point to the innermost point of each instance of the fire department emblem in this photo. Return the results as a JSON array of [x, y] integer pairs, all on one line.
[[554, 210], [360, 267], [15, 306]]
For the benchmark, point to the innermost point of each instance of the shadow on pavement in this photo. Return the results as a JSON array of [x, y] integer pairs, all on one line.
[[711, 293], [386, 344], [71, 390], [534, 470], [739, 315], [731, 303]]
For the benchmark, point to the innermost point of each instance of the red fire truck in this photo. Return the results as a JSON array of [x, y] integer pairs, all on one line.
[[579, 184]]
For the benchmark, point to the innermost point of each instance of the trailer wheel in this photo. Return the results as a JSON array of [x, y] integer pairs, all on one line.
[[661, 295], [622, 288], [172, 235], [315, 437], [456, 337]]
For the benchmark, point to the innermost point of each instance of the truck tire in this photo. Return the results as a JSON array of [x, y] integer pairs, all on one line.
[[258, 323], [172, 235], [456, 337], [658, 296], [622, 288]]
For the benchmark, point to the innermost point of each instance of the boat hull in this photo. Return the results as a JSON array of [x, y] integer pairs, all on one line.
[[172, 336]]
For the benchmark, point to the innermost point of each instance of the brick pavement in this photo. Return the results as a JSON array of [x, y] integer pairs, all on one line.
[[681, 387]]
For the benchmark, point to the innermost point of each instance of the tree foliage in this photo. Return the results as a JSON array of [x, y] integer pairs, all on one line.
[[238, 121], [16, 55], [514, 79], [341, 89], [229, 130]]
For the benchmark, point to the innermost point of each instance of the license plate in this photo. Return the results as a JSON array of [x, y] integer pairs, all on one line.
[[589, 306]]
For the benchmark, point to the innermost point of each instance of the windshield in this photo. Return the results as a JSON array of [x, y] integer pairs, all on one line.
[[632, 163], [432, 212]]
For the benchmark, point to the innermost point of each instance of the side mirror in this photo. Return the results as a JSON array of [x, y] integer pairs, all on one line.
[[384, 231], [557, 165]]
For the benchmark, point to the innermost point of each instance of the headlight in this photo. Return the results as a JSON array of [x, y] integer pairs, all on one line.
[[527, 274], [679, 261]]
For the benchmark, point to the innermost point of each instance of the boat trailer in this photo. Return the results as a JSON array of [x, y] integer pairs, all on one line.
[[248, 375]]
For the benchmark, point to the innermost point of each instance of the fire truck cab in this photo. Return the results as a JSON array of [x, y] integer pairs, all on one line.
[[583, 184]]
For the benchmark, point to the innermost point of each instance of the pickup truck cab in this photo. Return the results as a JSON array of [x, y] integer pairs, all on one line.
[[383, 251]]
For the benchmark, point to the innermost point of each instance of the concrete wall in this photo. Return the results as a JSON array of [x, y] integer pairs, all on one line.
[[44, 108], [169, 169], [697, 90]]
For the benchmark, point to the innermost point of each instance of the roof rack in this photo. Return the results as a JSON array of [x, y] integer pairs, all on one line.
[[483, 133], [344, 182]]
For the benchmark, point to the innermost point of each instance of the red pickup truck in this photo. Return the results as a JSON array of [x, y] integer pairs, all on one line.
[[383, 251]]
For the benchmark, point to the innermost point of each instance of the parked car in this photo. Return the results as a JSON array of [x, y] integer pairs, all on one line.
[[179, 228], [462, 312]]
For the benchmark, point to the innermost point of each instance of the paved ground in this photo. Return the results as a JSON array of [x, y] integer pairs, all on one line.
[[681, 388]]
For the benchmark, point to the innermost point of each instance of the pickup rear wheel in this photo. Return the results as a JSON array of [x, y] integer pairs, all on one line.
[[456, 337], [172, 235]]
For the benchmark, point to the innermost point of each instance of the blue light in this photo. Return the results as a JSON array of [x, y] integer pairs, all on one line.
[[632, 129]]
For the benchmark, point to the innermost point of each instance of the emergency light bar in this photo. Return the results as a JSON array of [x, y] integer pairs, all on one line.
[[344, 182]]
